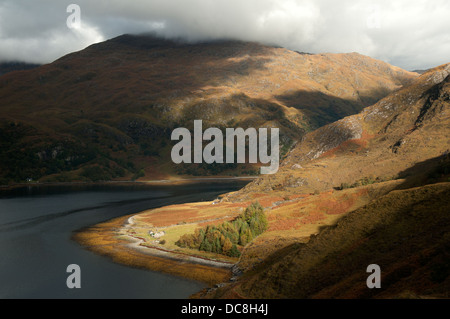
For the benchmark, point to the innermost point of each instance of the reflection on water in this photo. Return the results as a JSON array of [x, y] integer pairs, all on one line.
[[36, 223]]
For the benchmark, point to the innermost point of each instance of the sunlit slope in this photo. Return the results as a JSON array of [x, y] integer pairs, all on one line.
[[396, 137]]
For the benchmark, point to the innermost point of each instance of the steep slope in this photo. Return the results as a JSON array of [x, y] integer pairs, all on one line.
[[407, 127], [107, 112], [372, 204]]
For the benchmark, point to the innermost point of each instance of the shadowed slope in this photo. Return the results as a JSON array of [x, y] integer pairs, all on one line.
[[404, 232]]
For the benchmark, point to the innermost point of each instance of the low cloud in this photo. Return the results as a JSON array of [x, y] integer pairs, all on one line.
[[412, 34]]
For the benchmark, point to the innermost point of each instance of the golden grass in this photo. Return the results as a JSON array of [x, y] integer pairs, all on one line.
[[189, 213]]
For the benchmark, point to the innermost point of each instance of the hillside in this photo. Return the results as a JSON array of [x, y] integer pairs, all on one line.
[[407, 129], [106, 112], [7, 67], [405, 232], [372, 188]]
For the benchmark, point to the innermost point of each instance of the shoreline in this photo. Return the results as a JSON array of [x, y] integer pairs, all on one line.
[[170, 182], [104, 239]]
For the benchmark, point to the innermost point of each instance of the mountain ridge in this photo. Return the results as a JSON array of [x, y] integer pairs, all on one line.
[[106, 112]]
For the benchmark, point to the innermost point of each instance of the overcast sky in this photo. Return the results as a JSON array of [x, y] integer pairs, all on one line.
[[412, 34]]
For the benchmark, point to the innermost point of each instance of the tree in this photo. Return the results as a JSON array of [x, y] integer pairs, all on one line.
[[199, 235], [222, 238], [243, 239], [235, 252], [218, 246], [205, 246], [226, 249], [214, 247]]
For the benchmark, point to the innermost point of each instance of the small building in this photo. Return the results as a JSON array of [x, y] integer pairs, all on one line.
[[156, 234]]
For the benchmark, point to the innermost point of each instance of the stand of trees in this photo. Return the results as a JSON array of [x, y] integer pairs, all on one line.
[[224, 238]]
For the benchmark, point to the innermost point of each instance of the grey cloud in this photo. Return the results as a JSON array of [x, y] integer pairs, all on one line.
[[412, 34]]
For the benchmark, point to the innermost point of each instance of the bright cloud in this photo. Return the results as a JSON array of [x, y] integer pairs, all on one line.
[[412, 34]]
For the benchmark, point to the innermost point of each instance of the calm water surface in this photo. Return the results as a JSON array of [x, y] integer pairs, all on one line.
[[36, 224]]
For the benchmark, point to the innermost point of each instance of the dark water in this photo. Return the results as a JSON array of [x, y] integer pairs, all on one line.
[[36, 224]]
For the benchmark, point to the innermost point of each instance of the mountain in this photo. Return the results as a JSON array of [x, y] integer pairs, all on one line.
[[405, 128], [6, 67], [107, 112], [372, 188], [420, 71]]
